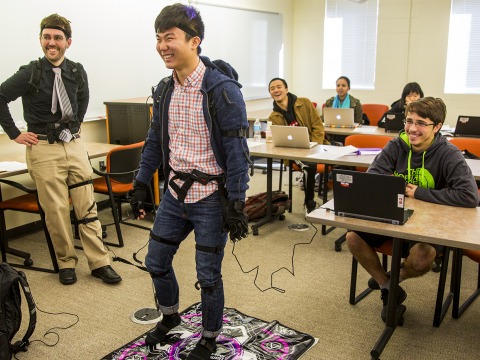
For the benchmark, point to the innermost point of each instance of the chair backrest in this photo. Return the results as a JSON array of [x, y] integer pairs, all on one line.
[[314, 104], [124, 159], [374, 112], [470, 144], [367, 141]]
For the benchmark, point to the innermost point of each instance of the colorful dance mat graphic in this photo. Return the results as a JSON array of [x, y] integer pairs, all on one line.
[[243, 338]]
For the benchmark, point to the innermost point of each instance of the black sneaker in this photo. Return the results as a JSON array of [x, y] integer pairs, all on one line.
[[402, 295], [160, 332], [203, 350]]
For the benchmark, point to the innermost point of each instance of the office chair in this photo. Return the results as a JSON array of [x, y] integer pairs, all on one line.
[[470, 144], [386, 249], [117, 180], [374, 112], [27, 203]]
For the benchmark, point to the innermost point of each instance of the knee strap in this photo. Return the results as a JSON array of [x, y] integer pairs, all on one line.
[[208, 289], [161, 240], [83, 183], [85, 221], [209, 249]]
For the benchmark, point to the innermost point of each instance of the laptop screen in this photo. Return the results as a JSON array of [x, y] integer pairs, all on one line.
[[468, 126]]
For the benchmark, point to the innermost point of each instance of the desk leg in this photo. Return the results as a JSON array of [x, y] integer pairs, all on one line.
[[394, 313], [268, 217]]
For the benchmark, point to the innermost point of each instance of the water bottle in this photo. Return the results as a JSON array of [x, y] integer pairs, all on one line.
[[257, 130], [268, 132]]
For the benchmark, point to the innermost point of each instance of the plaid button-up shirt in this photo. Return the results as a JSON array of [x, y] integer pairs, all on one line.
[[190, 146]]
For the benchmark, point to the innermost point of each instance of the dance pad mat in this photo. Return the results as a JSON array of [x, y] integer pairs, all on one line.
[[243, 337]]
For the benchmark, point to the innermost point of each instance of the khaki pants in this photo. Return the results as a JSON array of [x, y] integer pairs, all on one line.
[[54, 167]]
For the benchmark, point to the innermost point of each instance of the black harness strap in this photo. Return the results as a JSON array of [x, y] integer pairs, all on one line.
[[189, 178], [86, 182], [161, 240], [210, 249], [85, 221]]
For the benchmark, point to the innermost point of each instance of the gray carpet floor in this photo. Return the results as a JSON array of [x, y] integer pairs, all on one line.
[[313, 298]]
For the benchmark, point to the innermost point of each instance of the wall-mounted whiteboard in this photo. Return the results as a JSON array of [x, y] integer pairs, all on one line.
[[115, 41]]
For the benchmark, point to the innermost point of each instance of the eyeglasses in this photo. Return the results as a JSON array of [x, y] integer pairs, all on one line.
[[419, 124], [55, 38]]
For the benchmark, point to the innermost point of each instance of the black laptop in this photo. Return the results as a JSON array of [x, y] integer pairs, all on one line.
[[394, 122], [467, 126], [370, 196]]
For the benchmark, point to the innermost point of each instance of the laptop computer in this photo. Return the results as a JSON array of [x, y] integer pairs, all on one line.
[[468, 126], [394, 122], [370, 196], [333, 117], [291, 136]]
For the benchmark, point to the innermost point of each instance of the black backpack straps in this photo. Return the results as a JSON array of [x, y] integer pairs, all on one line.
[[213, 115], [79, 79], [21, 345], [158, 94], [36, 75]]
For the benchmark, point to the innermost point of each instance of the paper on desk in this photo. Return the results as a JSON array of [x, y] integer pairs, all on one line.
[[365, 129], [12, 166], [332, 152], [251, 143]]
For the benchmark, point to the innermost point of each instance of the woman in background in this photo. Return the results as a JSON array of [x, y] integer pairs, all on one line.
[[411, 92], [345, 100]]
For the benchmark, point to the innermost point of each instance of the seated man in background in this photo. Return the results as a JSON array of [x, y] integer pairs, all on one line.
[[290, 110], [435, 171]]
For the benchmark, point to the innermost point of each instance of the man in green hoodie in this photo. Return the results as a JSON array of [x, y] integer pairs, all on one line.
[[435, 171]]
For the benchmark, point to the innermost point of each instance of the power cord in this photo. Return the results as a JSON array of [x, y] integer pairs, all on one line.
[[51, 330], [271, 275]]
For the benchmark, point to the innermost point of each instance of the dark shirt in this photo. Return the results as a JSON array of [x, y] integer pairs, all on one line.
[[37, 104]]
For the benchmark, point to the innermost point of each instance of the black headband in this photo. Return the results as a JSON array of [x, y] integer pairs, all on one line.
[[189, 31], [67, 34]]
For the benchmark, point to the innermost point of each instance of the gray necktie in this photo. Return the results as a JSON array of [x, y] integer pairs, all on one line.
[[60, 96]]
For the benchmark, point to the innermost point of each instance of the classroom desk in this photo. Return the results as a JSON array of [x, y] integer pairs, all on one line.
[[450, 231], [95, 150], [270, 152], [364, 129]]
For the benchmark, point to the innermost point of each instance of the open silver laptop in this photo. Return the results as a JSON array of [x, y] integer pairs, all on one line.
[[291, 136], [334, 117]]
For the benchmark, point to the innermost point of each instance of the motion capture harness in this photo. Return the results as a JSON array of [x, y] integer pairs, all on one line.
[[56, 131], [189, 178]]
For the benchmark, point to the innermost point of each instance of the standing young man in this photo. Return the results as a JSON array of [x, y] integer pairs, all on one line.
[[290, 110], [56, 157], [205, 162], [435, 171]]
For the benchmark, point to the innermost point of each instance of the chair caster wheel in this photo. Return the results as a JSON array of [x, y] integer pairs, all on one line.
[[28, 262], [281, 217], [338, 248], [254, 231], [104, 232]]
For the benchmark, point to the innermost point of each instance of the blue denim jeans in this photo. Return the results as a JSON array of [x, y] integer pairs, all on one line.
[[173, 222]]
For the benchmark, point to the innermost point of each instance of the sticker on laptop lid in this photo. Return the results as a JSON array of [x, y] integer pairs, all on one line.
[[344, 180], [401, 201]]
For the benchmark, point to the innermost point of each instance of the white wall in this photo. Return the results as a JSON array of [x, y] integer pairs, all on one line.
[[412, 46]]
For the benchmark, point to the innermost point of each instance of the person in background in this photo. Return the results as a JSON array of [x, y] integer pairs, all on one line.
[[56, 157], [435, 171], [205, 161], [290, 110], [344, 100], [411, 92]]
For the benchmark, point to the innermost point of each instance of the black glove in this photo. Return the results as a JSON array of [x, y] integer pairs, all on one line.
[[236, 220], [139, 196]]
